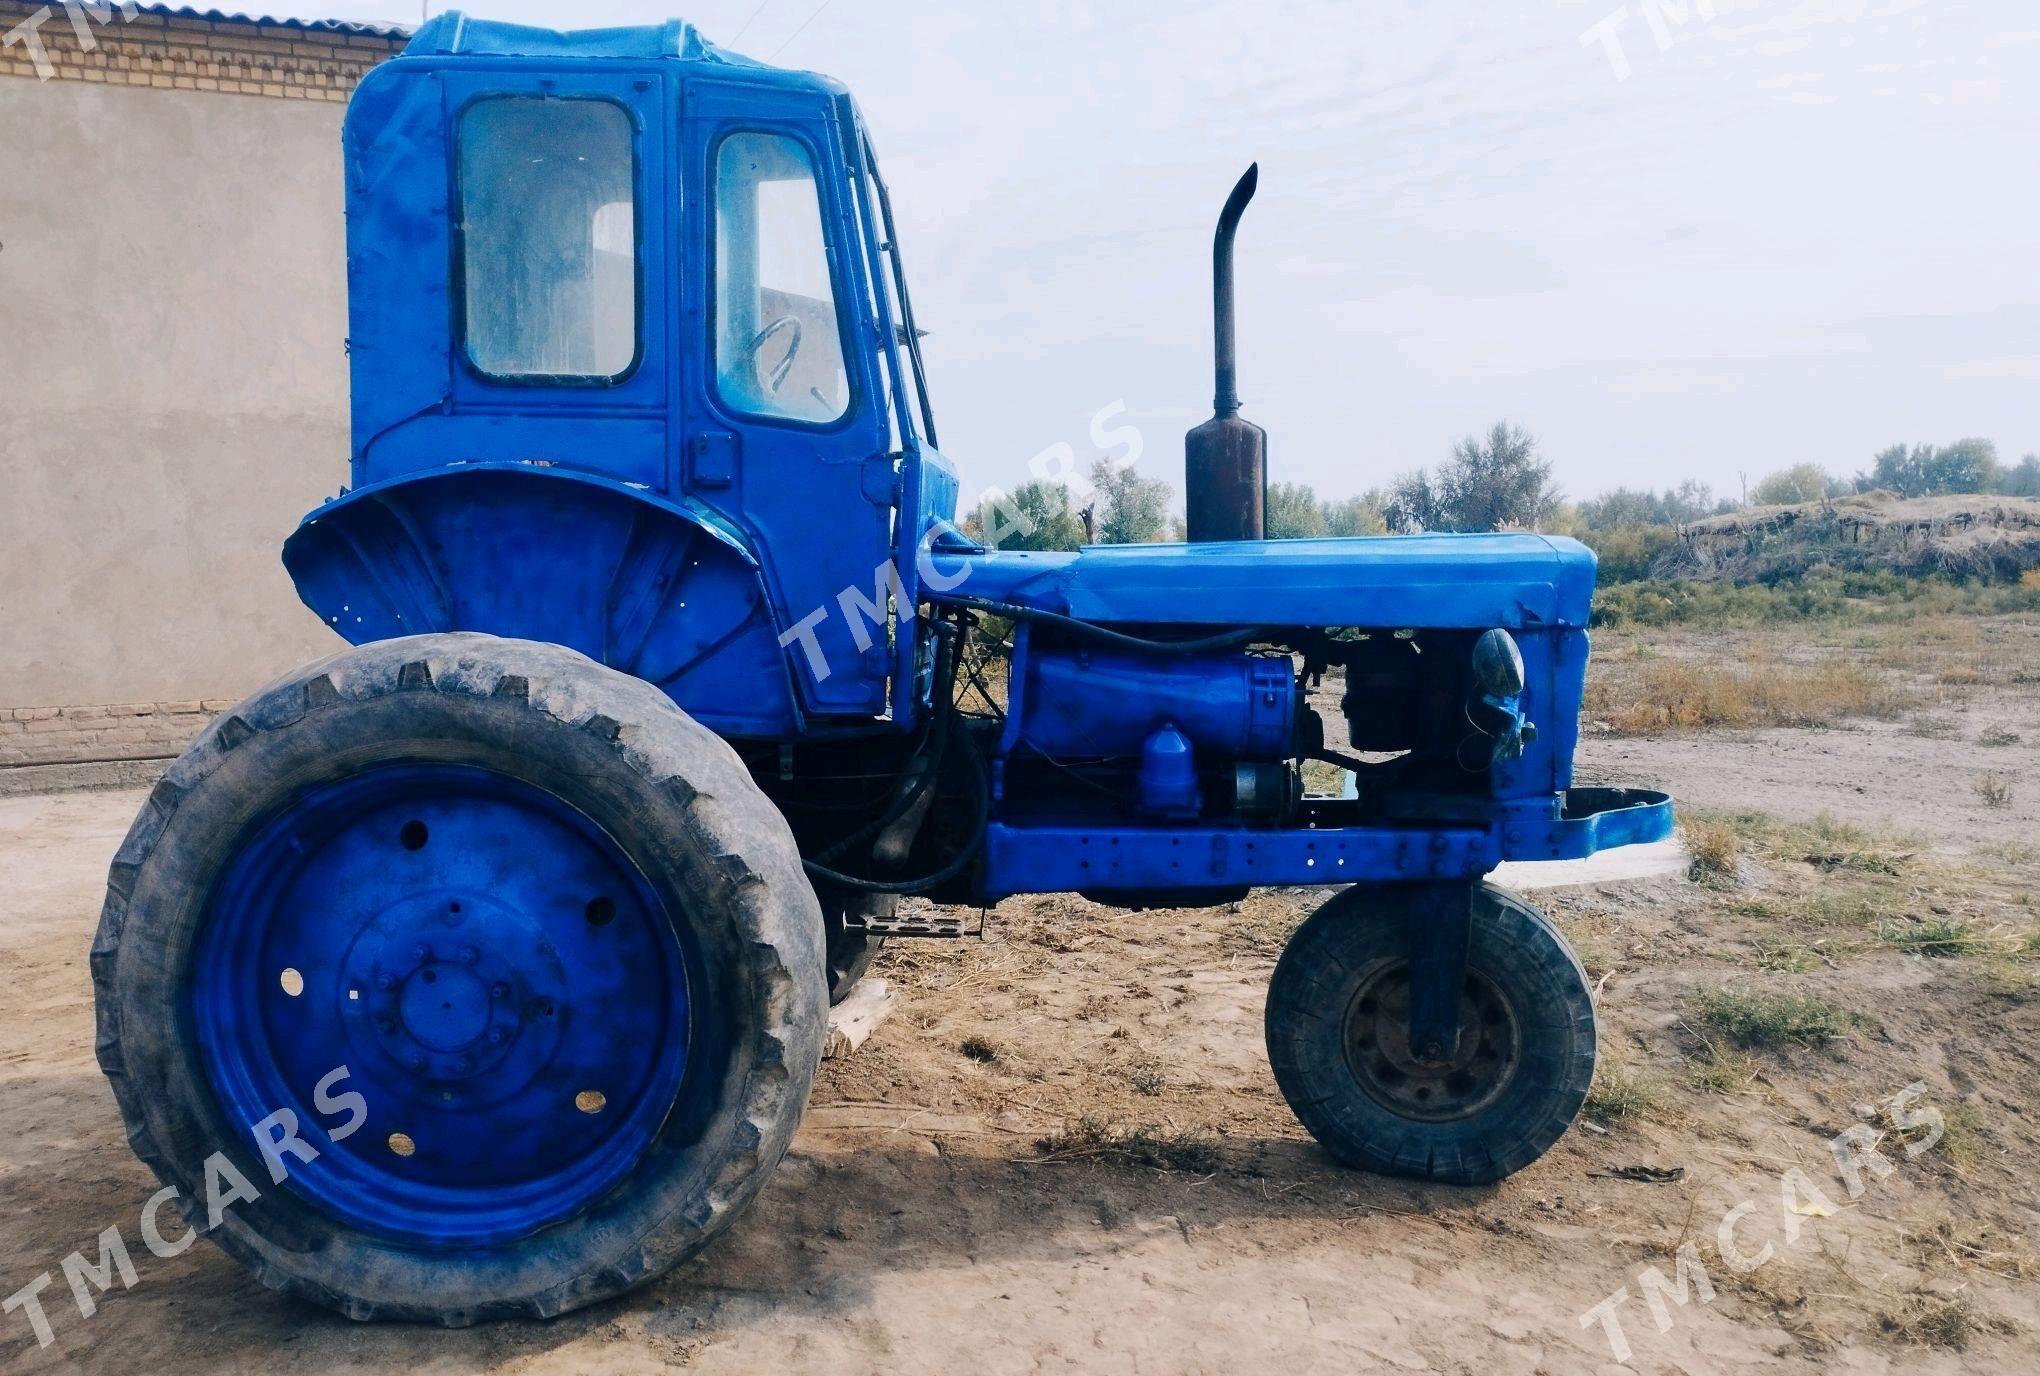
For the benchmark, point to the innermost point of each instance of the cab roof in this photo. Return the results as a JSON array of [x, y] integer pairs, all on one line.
[[455, 34]]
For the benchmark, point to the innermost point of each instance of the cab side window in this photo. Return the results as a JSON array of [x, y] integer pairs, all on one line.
[[549, 240], [778, 340]]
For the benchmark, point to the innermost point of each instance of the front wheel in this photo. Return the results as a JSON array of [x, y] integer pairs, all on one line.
[[1338, 1040], [491, 972]]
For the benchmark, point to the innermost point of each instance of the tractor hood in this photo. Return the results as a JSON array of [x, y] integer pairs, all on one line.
[[1518, 581]]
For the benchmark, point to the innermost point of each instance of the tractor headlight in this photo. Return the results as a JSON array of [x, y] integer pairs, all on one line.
[[1498, 665]]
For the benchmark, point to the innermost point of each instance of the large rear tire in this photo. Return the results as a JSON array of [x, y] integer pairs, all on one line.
[[1337, 1023], [559, 941]]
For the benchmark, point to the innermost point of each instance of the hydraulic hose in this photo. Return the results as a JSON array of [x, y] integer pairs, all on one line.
[[943, 711], [1013, 612], [956, 865]]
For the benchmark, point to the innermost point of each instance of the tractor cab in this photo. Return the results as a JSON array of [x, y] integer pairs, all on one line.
[[651, 290]]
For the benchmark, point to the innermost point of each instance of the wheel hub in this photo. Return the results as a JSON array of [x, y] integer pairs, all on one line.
[[499, 980], [1431, 1089], [452, 986], [445, 1008]]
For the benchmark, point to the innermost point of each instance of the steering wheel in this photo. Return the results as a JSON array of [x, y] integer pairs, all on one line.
[[758, 340]]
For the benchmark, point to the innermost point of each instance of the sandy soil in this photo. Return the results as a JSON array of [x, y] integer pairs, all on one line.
[[1913, 773], [919, 1225]]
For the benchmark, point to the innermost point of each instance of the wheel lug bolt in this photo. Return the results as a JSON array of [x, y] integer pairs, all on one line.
[[496, 1035], [421, 953], [469, 955], [463, 1065], [416, 1062], [385, 1026], [499, 991], [385, 982]]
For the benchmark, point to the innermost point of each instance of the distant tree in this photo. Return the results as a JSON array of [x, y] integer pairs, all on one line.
[[1803, 482], [1294, 512], [1695, 501], [1496, 482], [1035, 515], [1628, 553], [1922, 470], [1969, 465], [1133, 510], [2022, 480], [1411, 504], [1901, 469], [1355, 516], [1622, 508], [1627, 508]]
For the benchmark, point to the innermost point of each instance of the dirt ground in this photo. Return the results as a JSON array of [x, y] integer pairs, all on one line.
[[1065, 1152]]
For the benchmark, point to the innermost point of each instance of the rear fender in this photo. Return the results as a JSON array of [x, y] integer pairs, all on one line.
[[659, 589]]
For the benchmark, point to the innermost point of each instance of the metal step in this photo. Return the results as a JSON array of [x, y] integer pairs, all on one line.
[[919, 924]]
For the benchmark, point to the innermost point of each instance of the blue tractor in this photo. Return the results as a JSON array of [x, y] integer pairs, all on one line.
[[489, 962]]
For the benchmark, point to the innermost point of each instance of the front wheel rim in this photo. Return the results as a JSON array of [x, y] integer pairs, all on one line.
[[1482, 1067], [505, 989]]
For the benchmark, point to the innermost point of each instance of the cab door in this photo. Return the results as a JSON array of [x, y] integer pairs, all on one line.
[[784, 431]]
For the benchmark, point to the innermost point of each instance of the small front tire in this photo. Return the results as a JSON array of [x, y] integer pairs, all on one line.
[[1337, 1026]]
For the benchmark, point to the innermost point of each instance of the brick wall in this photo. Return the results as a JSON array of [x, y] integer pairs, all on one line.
[[32, 736], [43, 747], [239, 57]]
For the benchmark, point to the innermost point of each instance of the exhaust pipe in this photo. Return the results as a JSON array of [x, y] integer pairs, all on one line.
[[1226, 458]]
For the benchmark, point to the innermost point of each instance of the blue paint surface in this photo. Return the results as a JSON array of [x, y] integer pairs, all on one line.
[[483, 961], [1513, 581], [743, 564], [812, 506]]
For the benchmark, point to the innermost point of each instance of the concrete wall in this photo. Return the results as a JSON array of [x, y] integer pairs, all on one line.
[[172, 400]]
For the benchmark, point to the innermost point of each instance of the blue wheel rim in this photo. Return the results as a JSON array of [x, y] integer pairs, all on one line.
[[505, 989]]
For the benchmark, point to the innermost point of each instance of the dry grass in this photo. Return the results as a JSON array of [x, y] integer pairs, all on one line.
[[1963, 1139], [1596, 957], [1322, 779], [1716, 849], [1993, 792], [1762, 1018], [1620, 1094], [1659, 695], [1942, 937], [1786, 957], [1193, 1152], [1725, 1070], [1966, 1244], [1931, 1320], [1825, 843]]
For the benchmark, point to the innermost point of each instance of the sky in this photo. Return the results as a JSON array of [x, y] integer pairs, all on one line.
[[1671, 238]]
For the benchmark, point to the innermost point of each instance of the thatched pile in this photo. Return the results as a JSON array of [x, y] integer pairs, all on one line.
[[1982, 537]]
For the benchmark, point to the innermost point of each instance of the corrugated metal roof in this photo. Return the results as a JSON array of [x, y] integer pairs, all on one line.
[[310, 25]]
